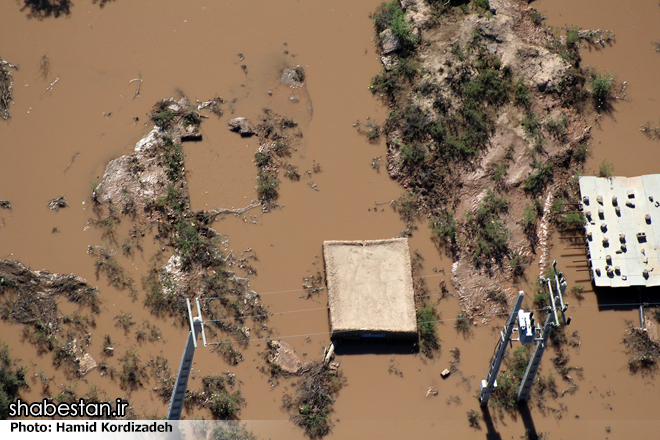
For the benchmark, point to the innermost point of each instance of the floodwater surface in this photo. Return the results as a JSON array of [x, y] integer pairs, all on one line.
[[59, 141]]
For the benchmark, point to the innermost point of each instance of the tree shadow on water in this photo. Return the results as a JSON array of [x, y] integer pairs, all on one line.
[[41, 9]]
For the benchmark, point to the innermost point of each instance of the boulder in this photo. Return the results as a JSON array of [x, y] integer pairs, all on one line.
[[285, 357], [243, 126], [86, 364], [388, 42]]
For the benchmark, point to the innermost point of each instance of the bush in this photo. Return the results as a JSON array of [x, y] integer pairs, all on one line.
[[482, 5], [391, 16], [573, 220], [521, 94], [508, 382], [444, 226], [528, 221], [517, 263], [162, 115], [224, 405], [267, 186], [601, 89], [536, 17], [497, 171], [605, 169], [388, 82], [233, 432], [539, 178], [557, 127], [473, 418], [463, 323], [490, 234], [532, 126], [312, 403], [426, 326], [132, 374], [11, 380]]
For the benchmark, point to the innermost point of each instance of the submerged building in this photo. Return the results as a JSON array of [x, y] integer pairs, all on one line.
[[622, 229], [370, 290]]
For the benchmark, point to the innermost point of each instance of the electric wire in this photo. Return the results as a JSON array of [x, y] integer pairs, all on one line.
[[421, 322]]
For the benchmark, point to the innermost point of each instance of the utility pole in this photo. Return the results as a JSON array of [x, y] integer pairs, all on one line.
[[181, 383], [535, 360], [557, 305], [488, 384]]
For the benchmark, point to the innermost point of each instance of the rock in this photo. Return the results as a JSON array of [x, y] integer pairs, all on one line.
[[86, 364], [293, 77], [388, 42], [503, 7], [57, 203], [445, 373], [285, 357], [243, 126]]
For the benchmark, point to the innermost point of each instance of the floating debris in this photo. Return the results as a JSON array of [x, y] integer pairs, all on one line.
[[58, 203]]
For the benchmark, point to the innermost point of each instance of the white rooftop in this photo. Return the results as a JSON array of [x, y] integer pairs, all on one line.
[[623, 229]]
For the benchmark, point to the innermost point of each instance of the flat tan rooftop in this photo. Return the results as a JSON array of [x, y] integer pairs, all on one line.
[[370, 291]]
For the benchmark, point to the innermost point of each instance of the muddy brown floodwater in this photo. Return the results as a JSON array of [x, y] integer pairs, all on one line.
[[58, 141]]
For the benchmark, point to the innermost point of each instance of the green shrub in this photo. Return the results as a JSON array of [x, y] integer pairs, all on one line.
[[232, 432], [132, 374], [528, 221], [444, 226], [497, 171], [532, 126], [508, 381], [224, 405], [173, 157], [426, 326], [473, 418], [161, 114], [601, 89], [490, 235], [389, 82], [463, 323], [262, 159], [489, 86], [193, 245], [11, 381], [572, 36], [191, 118], [481, 5], [605, 169], [391, 16], [539, 178], [521, 95], [536, 17], [267, 186], [517, 263], [411, 154], [557, 127], [572, 220]]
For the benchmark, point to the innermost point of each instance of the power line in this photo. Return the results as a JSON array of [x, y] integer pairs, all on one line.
[[399, 279], [421, 322]]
